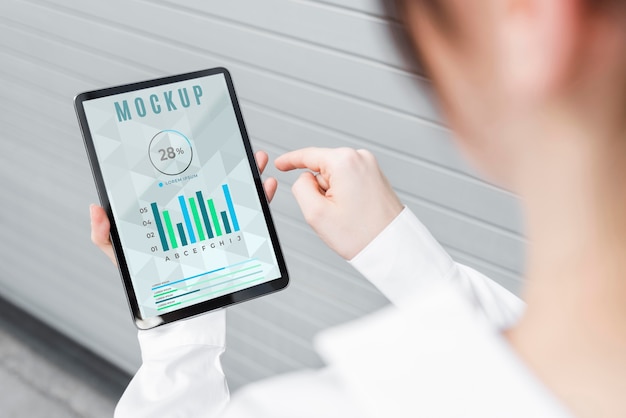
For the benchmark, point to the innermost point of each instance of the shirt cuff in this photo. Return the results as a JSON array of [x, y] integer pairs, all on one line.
[[208, 329], [403, 259]]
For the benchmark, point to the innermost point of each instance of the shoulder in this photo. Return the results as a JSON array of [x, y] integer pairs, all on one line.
[[306, 393], [439, 357]]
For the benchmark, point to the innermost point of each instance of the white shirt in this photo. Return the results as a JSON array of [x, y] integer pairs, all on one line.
[[437, 351]]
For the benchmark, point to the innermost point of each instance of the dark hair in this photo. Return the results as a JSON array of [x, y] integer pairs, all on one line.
[[439, 12], [404, 43], [397, 9]]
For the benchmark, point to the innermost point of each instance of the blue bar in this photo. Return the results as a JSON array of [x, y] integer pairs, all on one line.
[[231, 208], [181, 232], [183, 206], [204, 274], [157, 220]]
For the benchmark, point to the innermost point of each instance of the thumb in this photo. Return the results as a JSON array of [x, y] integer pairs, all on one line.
[[307, 192]]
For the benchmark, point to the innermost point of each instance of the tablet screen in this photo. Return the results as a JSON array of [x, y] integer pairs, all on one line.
[[182, 192]]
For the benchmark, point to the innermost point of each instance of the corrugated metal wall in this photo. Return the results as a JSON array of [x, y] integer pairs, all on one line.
[[307, 72]]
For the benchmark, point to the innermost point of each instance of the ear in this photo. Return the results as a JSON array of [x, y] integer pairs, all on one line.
[[539, 41]]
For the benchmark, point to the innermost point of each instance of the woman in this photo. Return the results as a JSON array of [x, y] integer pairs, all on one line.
[[535, 92]]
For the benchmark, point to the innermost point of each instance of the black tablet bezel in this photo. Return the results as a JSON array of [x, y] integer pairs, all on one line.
[[212, 304]]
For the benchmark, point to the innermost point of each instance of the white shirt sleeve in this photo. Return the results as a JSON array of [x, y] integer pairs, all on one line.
[[181, 374], [405, 259]]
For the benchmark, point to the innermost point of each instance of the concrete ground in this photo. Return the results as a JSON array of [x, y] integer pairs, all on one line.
[[45, 374]]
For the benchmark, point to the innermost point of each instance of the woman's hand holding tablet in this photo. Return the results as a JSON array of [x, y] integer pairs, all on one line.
[[190, 226]]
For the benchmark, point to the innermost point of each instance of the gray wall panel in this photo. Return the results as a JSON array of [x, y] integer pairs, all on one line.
[[322, 73]]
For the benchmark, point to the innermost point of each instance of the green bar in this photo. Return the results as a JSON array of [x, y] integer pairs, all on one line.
[[219, 277], [165, 293], [170, 230], [169, 306], [196, 218], [216, 223], [204, 295], [232, 273]]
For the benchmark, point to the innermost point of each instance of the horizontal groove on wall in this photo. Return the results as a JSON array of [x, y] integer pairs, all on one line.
[[308, 72]]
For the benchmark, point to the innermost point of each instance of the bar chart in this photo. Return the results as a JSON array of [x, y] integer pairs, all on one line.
[[201, 220]]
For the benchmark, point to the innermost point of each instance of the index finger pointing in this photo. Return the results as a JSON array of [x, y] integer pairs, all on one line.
[[312, 158]]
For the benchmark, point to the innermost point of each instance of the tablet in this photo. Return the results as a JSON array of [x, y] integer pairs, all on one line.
[[175, 172]]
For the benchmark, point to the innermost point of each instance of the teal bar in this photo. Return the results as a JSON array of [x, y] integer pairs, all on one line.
[[226, 223], [159, 224], [181, 232], [205, 215]]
